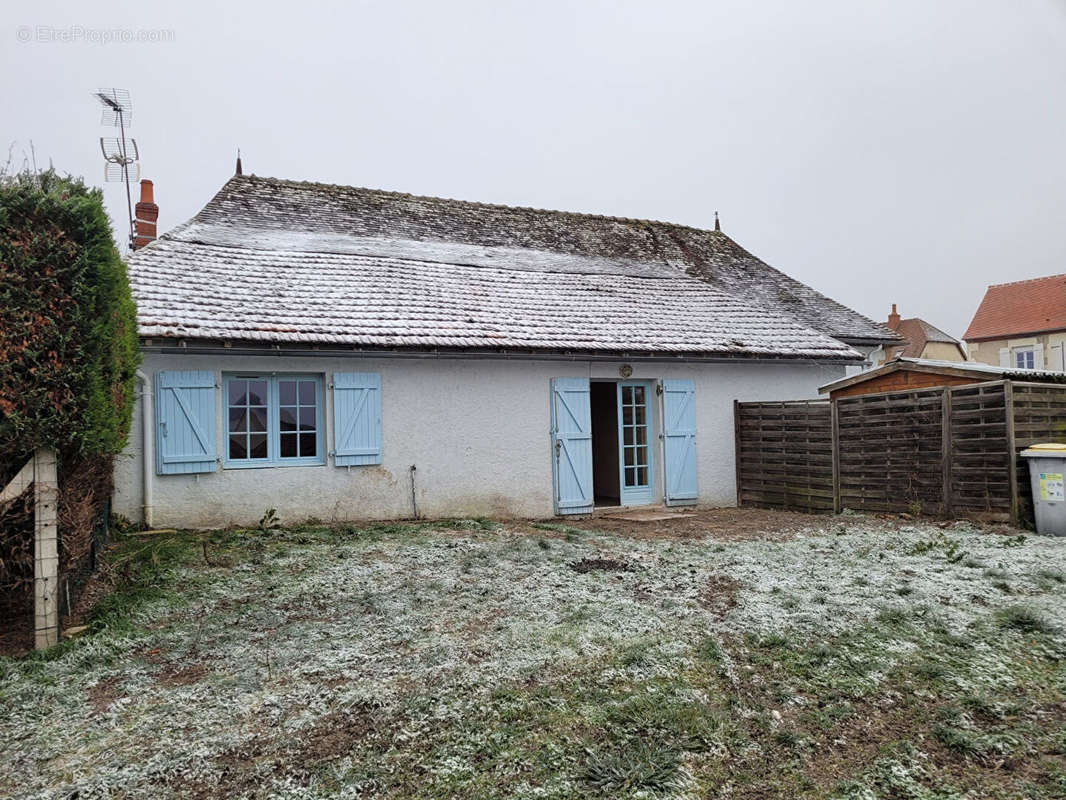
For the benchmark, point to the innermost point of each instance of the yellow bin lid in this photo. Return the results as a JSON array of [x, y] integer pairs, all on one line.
[[1045, 449]]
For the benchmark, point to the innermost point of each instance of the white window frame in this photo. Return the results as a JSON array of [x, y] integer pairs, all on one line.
[[1024, 354]]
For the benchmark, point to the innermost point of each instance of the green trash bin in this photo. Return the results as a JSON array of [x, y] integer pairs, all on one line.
[[1047, 464]]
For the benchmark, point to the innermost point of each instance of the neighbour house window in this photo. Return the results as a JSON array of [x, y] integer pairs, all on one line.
[[1025, 357], [273, 420]]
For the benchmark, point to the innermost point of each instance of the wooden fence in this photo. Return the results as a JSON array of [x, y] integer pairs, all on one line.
[[785, 455], [950, 450]]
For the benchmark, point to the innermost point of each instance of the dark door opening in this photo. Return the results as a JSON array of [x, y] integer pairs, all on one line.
[[605, 480]]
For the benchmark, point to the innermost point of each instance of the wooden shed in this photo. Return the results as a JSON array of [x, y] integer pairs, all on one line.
[[906, 374]]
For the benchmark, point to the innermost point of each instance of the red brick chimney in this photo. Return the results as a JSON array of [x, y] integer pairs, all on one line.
[[893, 318], [146, 213]]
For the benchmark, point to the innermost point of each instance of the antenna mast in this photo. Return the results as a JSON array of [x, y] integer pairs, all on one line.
[[120, 154]]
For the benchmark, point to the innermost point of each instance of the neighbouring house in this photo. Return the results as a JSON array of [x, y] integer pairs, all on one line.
[[906, 374], [344, 353], [1021, 324], [924, 340]]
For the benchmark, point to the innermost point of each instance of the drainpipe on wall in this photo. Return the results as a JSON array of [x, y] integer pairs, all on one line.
[[146, 446]]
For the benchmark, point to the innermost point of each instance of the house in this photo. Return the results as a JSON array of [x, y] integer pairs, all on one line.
[[337, 353], [924, 340], [906, 374], [1021, 324]]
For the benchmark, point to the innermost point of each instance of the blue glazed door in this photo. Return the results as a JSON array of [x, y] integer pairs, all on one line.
[[634, 449], [571, 418]]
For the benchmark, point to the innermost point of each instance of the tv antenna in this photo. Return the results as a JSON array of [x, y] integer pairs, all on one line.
[[120, 154]]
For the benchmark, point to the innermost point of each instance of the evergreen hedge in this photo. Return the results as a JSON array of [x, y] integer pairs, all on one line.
[[68, 336]]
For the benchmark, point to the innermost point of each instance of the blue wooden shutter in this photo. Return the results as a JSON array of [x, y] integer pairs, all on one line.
[[185, 422], [356, 418], [679, 435], [572, 443]]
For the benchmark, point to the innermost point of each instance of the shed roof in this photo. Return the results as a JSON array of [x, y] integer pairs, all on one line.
[[271, 260], [1022, 307], [979, 372]]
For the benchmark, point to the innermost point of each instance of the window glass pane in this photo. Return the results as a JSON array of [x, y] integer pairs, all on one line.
[[642, 476], [638, 394], [631, 476], [237, 448], [238, 420], [237, 395], [257, 444], [627, 435], [288, 419], [257, 393], [628, 451], [627, 415], [639, 415], [257, 418], [642, 435], [259, 409], [287, 393], [641, 457]]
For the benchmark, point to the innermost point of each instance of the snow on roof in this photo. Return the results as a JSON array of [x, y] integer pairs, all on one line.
[[990, 369], [281, 261]]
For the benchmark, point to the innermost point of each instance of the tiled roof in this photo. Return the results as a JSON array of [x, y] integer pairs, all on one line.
[[281, 261], [918, 334], [1022, 307]]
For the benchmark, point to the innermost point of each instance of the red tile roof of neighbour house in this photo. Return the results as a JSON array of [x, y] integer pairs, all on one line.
[[918, 334], [1021, 307], [273, 261]]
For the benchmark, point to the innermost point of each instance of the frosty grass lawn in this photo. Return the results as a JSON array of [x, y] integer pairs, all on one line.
[[863, 658]]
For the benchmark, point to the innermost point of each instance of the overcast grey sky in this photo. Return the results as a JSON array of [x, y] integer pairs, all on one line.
[[908, 151]]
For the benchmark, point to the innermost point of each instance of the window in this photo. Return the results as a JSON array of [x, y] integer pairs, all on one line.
[[1025, 357], [634, 436], [273, 420]]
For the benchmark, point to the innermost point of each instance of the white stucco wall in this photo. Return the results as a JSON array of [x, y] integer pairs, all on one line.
[[477, 430]]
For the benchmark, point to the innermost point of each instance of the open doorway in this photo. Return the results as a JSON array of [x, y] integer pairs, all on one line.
[[605, 468]]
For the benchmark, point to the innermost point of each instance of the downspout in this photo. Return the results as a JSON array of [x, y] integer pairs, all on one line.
[[146, 446]]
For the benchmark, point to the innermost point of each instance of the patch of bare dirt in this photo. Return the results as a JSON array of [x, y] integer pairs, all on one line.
[[587, 565], [239, 771], [341, 732], [719, 595], [104, 693], [184, 676]]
